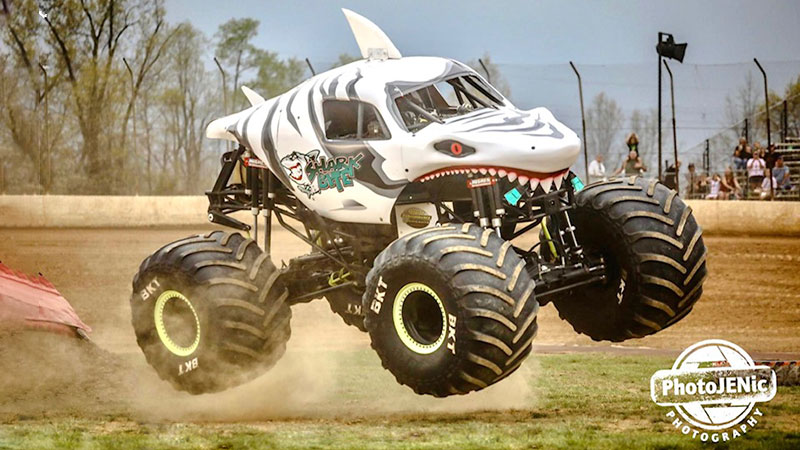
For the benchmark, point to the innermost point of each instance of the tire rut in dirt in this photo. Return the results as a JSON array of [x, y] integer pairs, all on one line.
[[485, 299], [227, 285], [655, 257]]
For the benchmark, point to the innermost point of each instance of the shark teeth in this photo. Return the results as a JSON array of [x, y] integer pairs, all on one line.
[[547, 183], [558, 179], [523, 180]]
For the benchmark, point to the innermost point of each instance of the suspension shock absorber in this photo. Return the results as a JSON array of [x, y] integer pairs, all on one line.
[[497, 207], [569, 229], [477, 186]]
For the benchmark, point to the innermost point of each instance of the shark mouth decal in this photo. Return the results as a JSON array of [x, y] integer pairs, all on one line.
[[523, 177]]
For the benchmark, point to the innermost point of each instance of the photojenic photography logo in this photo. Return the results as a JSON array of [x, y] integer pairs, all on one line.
[[713, 386]]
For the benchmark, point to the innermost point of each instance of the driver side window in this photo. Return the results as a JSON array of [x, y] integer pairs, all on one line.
[[352, 120]]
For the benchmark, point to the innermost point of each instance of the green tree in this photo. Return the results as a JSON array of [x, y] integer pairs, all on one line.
[[235, 51], [275, 76]]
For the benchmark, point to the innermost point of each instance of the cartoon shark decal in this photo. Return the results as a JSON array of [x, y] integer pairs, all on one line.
[[295, 166], [313, 173]]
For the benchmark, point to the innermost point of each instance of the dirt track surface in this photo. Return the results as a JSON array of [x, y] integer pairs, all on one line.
[[752, 298]]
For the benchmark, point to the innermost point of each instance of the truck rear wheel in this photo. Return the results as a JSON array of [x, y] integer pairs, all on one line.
[[654, 255], [208, 313], [450, 309]]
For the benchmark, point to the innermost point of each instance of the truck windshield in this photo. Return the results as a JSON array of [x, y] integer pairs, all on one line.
[[445, 99]]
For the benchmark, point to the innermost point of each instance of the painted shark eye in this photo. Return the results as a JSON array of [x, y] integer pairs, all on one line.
[[453, 148]]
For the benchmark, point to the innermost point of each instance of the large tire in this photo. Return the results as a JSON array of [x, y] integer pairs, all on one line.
[[208, 313], [450, 309], [654, 254]]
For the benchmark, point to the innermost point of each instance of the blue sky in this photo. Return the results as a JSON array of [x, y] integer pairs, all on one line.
[[612, 42]]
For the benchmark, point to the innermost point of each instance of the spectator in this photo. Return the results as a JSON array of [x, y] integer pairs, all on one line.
[[770, 156], [782, 175], [730, 189], [739, 159], [632, 142], [766, 190], [691, 179], [757, 149], [702, 184], [755, 170], [671, 175], [748, 153], [632, 165], [597, 170], [714, 191]]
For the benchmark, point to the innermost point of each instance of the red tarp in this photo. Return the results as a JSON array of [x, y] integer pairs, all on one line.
[[33, 302]]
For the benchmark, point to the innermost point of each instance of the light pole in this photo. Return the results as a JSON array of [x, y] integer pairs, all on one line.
[[666, 48], [769, 136], [674, 132], [583, 121]]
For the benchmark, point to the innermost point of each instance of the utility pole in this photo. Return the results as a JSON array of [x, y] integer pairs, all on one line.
[[583, 119]]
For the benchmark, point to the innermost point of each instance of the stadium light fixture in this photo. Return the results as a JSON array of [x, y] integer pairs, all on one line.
[[666, 48]]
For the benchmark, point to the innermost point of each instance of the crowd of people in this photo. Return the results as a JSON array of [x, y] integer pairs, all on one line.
[[750, 163]]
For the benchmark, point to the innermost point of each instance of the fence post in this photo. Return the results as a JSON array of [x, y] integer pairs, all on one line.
[[785, 127], [747, 129]]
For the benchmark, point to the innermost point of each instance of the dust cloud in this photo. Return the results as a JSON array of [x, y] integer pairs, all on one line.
[[328, 371]]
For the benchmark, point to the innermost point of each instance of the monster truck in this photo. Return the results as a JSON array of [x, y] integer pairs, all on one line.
[[420, 190]]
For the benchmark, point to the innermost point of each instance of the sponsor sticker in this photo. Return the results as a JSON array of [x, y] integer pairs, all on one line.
[[480, 182]]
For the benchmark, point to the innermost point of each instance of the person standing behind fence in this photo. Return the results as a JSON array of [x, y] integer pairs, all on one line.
[[739, 157], [755, 170], [632, 165], [597, 170]]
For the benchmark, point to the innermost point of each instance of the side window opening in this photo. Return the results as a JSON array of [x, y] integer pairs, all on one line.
[[350, 120]]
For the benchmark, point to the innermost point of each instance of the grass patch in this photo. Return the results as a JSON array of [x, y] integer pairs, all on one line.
[[572, 401]]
